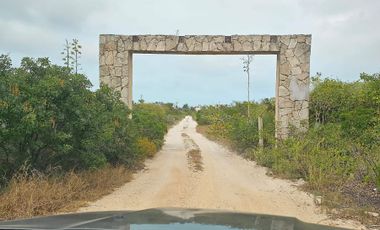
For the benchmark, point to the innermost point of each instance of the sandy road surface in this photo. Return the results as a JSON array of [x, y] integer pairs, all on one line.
[[227, 182]]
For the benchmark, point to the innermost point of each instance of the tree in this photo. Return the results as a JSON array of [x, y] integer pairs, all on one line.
[[5, 64], [75, 54], [141, 100], [71, 54], [246, 67], [66, 54]]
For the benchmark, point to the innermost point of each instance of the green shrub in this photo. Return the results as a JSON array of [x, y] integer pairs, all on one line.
[[145, 147], [319, 156], [50, 118], [149, 120], [231, 122], [342, 142]]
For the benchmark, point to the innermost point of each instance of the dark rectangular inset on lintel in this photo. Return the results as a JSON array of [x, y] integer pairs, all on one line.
[[181, 39], [227, 39], [135, 38], [273, 39]]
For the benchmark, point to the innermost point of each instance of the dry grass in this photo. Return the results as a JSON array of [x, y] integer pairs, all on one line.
[[352, 204], [194, 153], [195, 159], [184, 135], [36, 194]]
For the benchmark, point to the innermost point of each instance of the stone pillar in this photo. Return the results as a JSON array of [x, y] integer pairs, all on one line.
[[292, 93], [115, 66]]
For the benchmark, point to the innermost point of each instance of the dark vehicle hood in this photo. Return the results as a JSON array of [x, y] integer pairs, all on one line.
[[166, 218]]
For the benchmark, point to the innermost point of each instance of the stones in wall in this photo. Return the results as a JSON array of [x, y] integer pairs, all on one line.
[[114, 65], [293, 51], [293, 85], [191, 44]]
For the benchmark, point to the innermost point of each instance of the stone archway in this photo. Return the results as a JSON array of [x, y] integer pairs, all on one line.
[[293, 65]]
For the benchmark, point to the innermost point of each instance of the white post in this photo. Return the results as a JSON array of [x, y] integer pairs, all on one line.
[[260, 128]]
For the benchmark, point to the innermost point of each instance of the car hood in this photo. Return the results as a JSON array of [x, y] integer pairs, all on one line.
[[165, 218]]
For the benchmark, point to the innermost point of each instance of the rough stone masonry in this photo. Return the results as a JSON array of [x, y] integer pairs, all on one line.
[[293, 65]]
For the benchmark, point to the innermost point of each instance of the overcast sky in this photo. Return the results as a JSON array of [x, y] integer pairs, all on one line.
[[345, 42]]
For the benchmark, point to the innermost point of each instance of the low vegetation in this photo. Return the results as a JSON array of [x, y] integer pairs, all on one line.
[[52, 124], [338, 157], [230, 122]]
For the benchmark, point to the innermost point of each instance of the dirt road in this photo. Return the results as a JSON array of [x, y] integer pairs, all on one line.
[[227, 181]]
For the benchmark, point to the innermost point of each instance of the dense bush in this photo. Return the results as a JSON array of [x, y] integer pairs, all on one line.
[[149, 121], [342, 143], [146, 147], [321, 156], [354, 108], [50, 118], [231, 122]]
